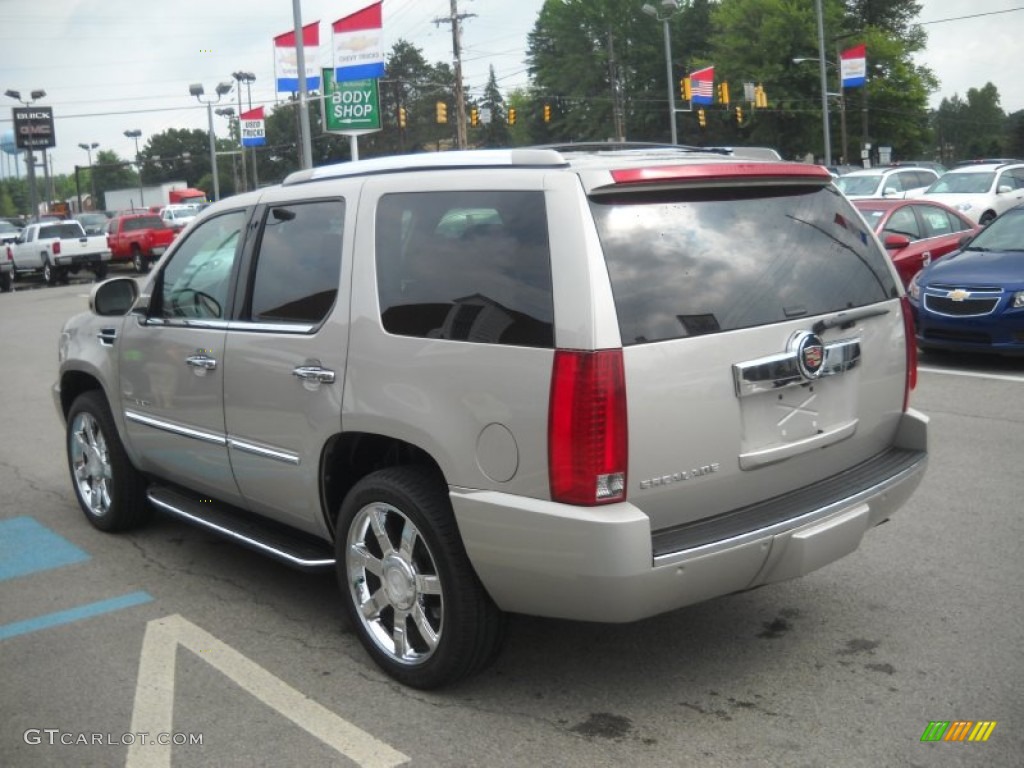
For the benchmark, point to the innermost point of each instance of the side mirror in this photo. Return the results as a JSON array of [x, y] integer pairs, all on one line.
[[114, 298], [890, 192], [1003, 189], [896, 242]]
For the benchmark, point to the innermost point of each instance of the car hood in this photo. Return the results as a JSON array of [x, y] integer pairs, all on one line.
[[972, 267]]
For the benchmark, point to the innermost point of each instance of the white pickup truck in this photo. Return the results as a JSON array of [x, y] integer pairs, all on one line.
[[56, 249]]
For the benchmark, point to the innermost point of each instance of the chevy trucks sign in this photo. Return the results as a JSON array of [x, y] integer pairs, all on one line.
[[33, 127]]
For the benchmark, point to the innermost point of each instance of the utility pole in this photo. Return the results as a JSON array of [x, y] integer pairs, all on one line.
[[460, 96]]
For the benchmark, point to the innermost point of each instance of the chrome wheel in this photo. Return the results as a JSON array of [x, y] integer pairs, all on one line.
[[394, 584], [90, 464]]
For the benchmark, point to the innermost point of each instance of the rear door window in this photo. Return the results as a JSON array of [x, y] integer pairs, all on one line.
[[693, 262], [298, 263]]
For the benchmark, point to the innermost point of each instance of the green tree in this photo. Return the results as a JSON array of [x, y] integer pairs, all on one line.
[[111, 172], [495, 133], [971, 127]]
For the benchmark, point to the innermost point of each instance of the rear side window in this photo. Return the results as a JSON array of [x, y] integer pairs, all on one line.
[[299, 262], [466, 266], [61, 231], [688, 263]]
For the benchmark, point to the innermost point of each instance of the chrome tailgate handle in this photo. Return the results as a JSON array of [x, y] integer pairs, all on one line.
[[314, 373]]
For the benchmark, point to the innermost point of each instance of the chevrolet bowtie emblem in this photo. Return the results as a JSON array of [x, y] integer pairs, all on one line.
[[958, 294]]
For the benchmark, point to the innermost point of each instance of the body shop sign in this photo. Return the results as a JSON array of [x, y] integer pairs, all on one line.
[[351, 107], [33, 127]]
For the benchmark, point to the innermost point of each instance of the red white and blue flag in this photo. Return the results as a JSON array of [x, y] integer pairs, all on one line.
[[358, 45], [853, 65], [702, 85], [286, 59]]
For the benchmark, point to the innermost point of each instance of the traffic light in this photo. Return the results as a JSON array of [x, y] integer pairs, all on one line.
[[474, 116], [547, 113], [511, 115], [723, 93], [701, 119], [739, 115], [442, 112], [402, 117], [685, 90], [760, 97]]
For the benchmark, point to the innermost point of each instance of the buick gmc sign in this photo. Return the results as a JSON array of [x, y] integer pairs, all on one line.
[[33, 127]]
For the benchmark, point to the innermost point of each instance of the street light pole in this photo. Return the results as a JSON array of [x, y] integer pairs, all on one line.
[[670, 7], [242, 77], [229, 113], [30, 160], [824, 84], [92, 184], [196, 89], [135, 134]]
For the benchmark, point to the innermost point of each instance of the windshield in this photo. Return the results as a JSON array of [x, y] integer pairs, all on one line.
[[962, 183], [6, 226], [692, 262], [1004, 234], [859, 185], [872, 217]]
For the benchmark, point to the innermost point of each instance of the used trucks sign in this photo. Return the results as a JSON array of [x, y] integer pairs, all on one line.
[[351, 107]]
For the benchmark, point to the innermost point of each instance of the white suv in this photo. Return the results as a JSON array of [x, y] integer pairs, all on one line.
[[885, 182], [578, 383], [980, 191]]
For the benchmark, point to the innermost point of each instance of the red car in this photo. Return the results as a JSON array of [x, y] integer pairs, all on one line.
[[915, 232]]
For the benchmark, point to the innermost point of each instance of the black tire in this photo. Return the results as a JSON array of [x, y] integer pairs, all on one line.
[[50, 274], [139, 261], [101, 271], [451, 627], [986, 218], [110, 491], [6, 278]]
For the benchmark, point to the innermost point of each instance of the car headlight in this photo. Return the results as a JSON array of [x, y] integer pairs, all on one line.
[[1018, 300], [963, 206], [914, 290]]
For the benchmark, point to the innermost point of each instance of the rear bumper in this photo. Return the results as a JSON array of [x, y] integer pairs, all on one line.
[[603, 564], [82, 259]]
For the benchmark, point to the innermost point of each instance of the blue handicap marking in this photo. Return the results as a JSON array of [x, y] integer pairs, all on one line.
[[27, 546]]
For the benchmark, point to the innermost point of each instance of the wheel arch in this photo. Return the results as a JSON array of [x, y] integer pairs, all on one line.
[[74, 383], [350, 456]]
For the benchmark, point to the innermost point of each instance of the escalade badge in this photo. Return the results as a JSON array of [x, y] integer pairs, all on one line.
[[810, 354], [958, 294]]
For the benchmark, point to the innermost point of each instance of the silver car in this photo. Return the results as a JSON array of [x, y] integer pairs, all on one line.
[[594, 384]]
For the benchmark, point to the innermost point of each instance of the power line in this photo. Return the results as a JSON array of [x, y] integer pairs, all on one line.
[[971, 16]]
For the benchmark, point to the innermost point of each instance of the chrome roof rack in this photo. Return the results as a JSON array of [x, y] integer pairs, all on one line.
[[526, 157]]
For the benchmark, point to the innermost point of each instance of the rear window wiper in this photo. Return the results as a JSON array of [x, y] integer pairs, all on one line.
[[847, 318]]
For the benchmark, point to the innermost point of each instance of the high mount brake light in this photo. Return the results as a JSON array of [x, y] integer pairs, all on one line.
[[587, 430], [720, 172]]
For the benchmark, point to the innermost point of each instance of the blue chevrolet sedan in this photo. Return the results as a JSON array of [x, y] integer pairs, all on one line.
[[973, 300]]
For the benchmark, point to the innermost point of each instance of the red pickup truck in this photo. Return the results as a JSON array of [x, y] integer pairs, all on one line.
[[138, 237]]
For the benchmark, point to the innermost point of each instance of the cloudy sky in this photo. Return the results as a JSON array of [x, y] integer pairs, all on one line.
[[108, 66]]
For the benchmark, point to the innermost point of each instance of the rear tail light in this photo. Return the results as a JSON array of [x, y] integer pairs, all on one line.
[[911, 342], [587, 435], [56, 247]]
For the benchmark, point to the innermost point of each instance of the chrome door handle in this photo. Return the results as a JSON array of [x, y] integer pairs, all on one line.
[[314, 373], [201, 361]]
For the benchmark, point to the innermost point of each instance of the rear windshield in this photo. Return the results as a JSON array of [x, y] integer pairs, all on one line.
[[61, 231], [144, 222], [687, 263]]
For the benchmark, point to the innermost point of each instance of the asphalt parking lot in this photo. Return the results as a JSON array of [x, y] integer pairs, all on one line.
[[110, 644]]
